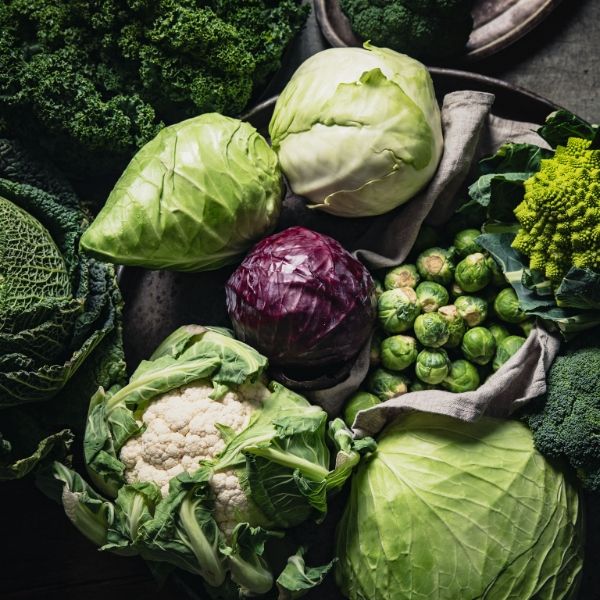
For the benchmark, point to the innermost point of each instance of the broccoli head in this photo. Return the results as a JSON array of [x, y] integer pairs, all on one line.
[[90, 82], [560, 212], [421, 28], [566, 421]]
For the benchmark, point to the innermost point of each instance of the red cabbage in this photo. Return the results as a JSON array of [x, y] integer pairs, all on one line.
[[302, 300]]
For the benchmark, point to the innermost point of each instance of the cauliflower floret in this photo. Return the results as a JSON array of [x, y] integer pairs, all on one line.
[[180, 432]]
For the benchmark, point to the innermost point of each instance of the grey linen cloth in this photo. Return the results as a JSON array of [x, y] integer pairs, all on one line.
[[470, 132]]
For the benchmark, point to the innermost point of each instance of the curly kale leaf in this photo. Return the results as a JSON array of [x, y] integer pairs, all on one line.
[[91, 82]]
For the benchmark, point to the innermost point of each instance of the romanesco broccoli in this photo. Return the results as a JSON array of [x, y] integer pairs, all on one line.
[[420, 28], [560, 213]]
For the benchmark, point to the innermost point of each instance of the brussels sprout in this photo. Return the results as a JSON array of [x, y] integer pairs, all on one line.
[[498, 278], [428, 237], [527, 326], [478, 345], [436, 264], [499, 331], [464, 242], [375, 352], [472, 309], [398, 309], [398, 352], [462, 377], [419, 386], [456, 325], [402, 276], [432, 365], [507, 347], [472, 273], [432, 330], [456, 290], [357, 402], [507, 307], [431, 295], [385, 384], [379, 289]]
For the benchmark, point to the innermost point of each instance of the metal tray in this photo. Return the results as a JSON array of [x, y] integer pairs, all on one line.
[[156, 302], [497, 24]]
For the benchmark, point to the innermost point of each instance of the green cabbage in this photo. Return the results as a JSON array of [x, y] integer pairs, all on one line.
[[60, 336], [357, 130], [449, 510], [194, 198]]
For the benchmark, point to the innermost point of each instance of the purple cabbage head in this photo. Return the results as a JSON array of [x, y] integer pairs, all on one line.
[[302, 300]]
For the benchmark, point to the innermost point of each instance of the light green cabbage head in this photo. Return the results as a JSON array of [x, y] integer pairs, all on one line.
[[357, 130], [447, 510], [194, 198]]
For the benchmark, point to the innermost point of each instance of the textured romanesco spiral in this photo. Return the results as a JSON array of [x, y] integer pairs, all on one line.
[[560, 213]]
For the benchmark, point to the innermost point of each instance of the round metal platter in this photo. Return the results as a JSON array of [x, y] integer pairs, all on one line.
[[496, 24], [156, 302]]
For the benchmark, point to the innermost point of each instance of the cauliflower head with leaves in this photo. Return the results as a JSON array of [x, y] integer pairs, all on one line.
[[560, 212]]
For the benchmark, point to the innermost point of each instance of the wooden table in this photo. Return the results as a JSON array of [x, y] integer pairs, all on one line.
[[45, 558]]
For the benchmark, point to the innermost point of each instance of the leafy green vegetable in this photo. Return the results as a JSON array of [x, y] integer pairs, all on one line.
[[296, 579], [357, 130], [422, 28], [566, 420], [59, 312], [194, 198], [562, 125], [91, 82], [448, 509], [233, 464], [533, 299]]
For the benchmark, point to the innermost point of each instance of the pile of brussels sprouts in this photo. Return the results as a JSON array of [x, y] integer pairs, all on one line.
[[448, 321]]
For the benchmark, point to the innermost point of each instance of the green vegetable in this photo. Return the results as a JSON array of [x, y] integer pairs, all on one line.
[[527, 326], [204, 462], [566, 186], [473, 273], [419, 386], [194, 198], [91, 82], [397, 309], [379, 289], [464, 242], [498, 278], [386, 384], [506, 348], [436, 264], [478, 345], [431, 296], [451, 510], [507, 307], [432, 366], [402, 276], [296, 579], [423, 28], [357, 130], [60, 334], [398, 352], [565, 421], [499, 331], [456, 290], [472, 309], [359, 401], [456, 325], [462, 377], [432, 329]]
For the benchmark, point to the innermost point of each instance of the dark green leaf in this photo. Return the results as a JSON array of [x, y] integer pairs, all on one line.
[[580, 288], [561, 125], [296, 579]]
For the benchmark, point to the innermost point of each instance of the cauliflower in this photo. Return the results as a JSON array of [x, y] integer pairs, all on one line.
[[560, 212], [179, 431]]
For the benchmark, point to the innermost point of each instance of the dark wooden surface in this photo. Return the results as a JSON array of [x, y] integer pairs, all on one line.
[[45, 558]]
